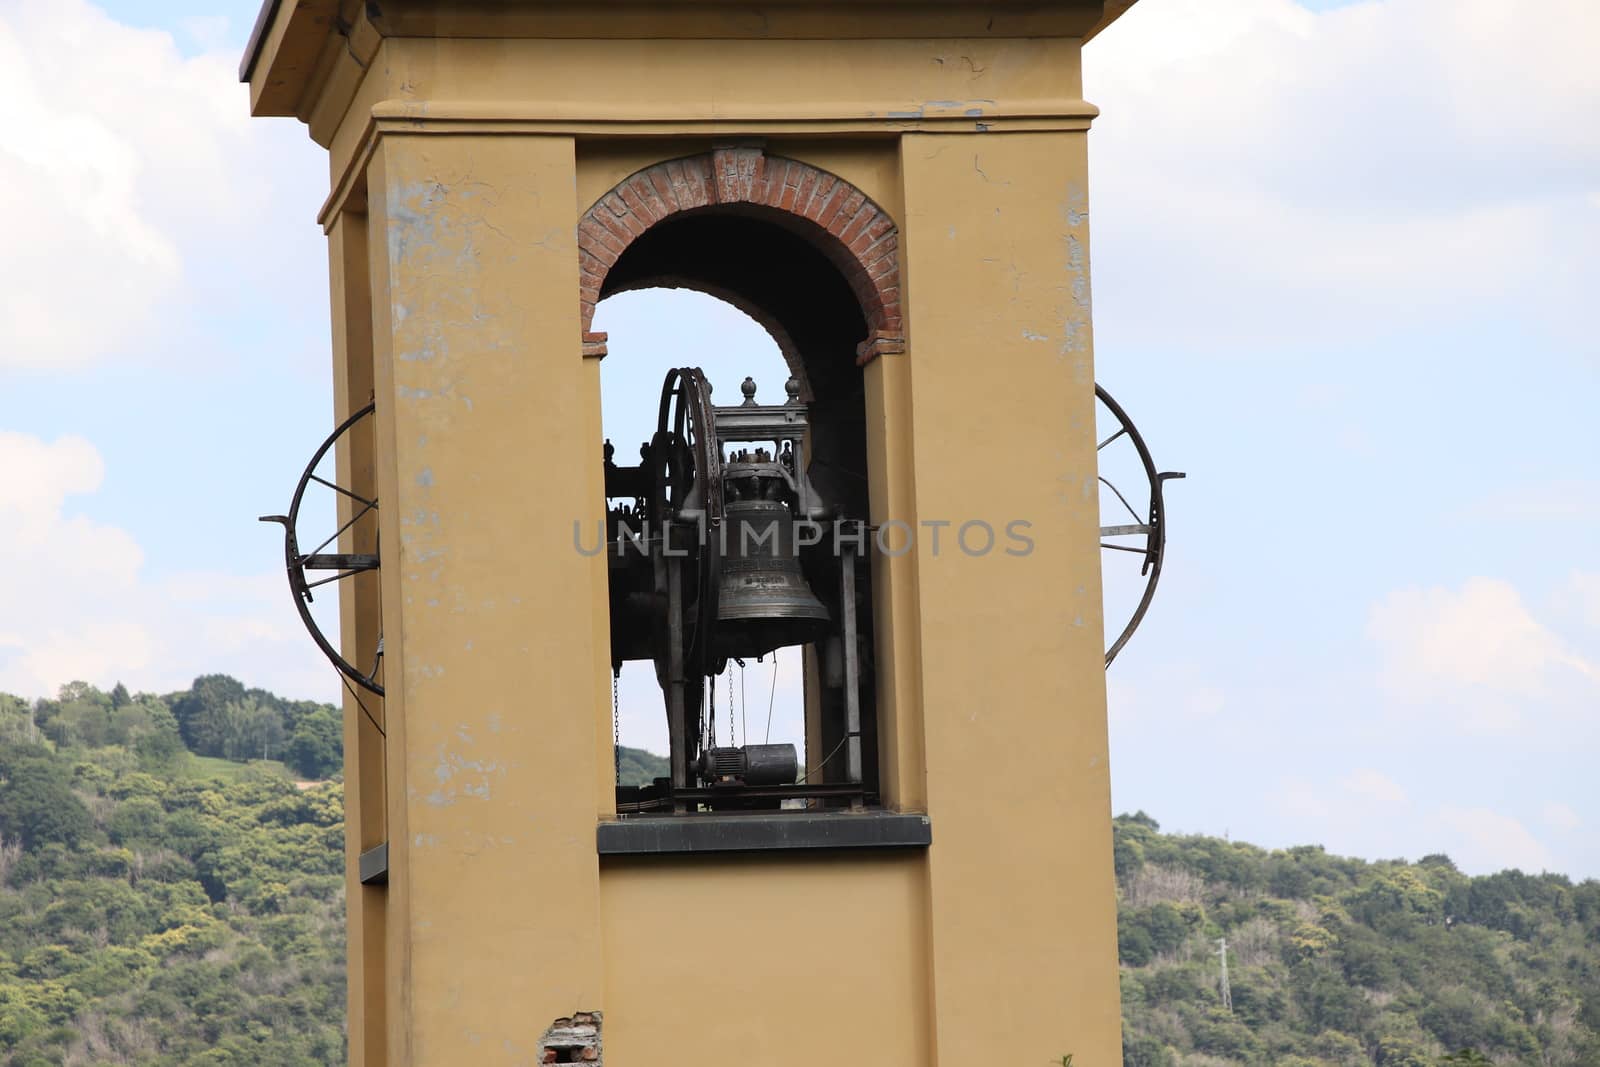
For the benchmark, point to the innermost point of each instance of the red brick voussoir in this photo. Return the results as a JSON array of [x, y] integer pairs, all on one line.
[[842, 222]]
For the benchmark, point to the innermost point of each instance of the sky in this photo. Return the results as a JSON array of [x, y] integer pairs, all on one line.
[[1343, 271]]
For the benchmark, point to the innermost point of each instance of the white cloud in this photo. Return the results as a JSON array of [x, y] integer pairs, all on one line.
[[1368, 814], [1480, 841], [1263, 174], [1583, 591], [1368, 784], [1561, 816], [79, 605], [1477, 654], [1552, 502], [1365, 813], [136, 183], [1303, 800]]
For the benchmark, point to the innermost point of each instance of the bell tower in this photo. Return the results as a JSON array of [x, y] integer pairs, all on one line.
[[897, 192]]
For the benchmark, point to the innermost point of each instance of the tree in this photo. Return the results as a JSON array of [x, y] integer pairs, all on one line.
[[315, 749], [202, 712], [160, 745], [137, 821], [251, 730], [82, 716], [37, 804], [16, 719]]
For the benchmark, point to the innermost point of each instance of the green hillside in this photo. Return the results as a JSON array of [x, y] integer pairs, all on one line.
[[1343, 962], [635, 766], [163, 902], [164, 908]]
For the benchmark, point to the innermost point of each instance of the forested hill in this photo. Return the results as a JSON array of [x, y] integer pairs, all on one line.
[[216, 718], [165, 904], [161, 902], [1343, 962]]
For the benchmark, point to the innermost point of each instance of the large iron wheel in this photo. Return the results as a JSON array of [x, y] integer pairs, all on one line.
[[685, 419], [331, 567], [1146, 535]]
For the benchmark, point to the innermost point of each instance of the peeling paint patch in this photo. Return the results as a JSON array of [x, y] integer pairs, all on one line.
[[459, 777], [425, 477], [1029, 335], [1075, 316]]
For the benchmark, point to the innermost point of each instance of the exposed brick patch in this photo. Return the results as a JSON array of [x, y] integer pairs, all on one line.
[[880, 344], [572, 1040], [856, 234]]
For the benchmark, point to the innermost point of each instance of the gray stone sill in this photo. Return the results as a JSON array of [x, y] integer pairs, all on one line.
[[657, 835]]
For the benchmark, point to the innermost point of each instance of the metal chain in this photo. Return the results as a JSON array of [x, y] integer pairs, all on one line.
[[732, 741], [616, 726]]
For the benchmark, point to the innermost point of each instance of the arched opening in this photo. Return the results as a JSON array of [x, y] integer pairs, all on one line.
[[651, 331], [812, 264]]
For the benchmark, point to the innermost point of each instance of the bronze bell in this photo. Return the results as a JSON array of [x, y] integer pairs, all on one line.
[[764, 601]]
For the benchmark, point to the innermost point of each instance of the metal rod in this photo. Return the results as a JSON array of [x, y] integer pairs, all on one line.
[[353, 520], [852, 686], [346, 492], [1120, 497], [333, 578], [1113, 437], [340, 561], [648, 801], [677, 713]]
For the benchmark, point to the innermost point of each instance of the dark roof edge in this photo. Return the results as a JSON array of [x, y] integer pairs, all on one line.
[[258, 36]]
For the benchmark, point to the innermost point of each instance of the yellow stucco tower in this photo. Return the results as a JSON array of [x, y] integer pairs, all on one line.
[[897, 190]]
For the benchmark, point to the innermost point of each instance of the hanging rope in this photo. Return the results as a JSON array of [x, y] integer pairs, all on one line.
[[771, 697]]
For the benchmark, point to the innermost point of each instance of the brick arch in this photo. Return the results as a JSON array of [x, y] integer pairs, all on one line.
[[841, 221]]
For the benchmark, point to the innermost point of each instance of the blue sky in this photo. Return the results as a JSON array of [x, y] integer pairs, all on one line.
[[1343, 271]]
